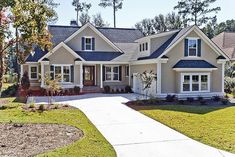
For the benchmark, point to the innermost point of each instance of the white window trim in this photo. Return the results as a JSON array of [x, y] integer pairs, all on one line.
[[199, 74], [112, 73], [192, 38], [30, 66], [88, 37], [127, 71], [62, 71]]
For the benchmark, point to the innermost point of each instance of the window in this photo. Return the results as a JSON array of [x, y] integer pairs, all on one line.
[[140, 47], [111, 73], [88, 43], [127, 70], [146, 46], [62, 71], [143, 47], [33, 72], [192, 47], [195, 82]]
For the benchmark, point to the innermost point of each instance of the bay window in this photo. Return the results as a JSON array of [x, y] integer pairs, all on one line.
[[111, 73], [199, 82]]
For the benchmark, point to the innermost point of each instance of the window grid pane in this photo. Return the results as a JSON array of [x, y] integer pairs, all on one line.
[[192, 45]]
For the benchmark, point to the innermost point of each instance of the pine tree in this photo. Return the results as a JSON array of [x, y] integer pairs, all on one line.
[[116, 4], [80, 7], [98, 21]]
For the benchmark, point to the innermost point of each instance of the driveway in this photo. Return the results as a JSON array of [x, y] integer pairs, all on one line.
[[133, 134]]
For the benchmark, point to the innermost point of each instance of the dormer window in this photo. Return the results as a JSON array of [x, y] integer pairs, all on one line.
[[192, 47], [88, 43]]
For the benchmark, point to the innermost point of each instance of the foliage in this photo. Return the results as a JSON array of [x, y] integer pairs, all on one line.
[[116, 4], [128, 89], [208, 124], [190, 99], [107, 89], [196, 11], [216, 98], [170, 98], [80, 7], [77, 90], [159, 23], [98, 21], [84, 18], [25, 83], [92, 144], [10, 91]]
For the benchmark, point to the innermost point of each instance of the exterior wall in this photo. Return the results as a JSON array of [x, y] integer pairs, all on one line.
[[100, 44], [33, 83], [142, 68], [61, 56], [77, 74], [171, 79]]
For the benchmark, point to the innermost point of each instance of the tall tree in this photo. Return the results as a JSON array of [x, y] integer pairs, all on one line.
[[30, 19], [80, 7], [145, 26], [84, 18], [196, 11], [116, 4], [173, 21], [159, 23], [98, 21]]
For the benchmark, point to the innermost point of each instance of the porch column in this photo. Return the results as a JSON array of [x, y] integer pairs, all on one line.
[[159, 80], [101, 75], [81, 75], [223, 68], [129, 74], [42, 75]]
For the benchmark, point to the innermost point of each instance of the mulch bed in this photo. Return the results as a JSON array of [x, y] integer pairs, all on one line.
[[36, 107], [24, 140]]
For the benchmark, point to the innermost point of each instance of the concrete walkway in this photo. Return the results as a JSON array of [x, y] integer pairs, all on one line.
[[133, 134]]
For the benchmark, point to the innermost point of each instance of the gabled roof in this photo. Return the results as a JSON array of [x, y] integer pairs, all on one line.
[[36, 55], [193, 64], [98, 55], [226, 41]]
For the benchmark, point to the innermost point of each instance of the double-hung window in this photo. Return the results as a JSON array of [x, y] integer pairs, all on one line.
[[88, 43], [195, 82], [192, 47], [112, 73], [33, 72], [63, 72]]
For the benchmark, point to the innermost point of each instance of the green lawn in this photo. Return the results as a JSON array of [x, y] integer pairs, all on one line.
[[214, 126], [93, 144]]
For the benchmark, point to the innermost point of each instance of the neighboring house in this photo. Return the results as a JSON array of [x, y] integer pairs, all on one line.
[[226, 41], [186, 62]]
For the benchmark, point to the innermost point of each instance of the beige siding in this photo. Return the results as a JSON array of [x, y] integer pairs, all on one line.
[[100, 43], [62, 56], [171, 79], [33, 83], [77, 74]]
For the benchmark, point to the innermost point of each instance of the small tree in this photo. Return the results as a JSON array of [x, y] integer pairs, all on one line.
[[52, 86], [25, 83], [147, 80]]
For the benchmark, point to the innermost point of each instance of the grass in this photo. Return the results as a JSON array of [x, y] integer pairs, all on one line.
[[6, 85], [214, 126], [93, 144]]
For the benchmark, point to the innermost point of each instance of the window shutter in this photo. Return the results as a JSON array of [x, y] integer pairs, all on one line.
[[83, 43], [72, 73], [103, 73], [199, 47], [52, 72], [93, 44], [120, 73], [186, 47]]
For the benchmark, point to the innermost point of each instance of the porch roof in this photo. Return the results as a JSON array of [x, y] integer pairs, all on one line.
[[98, 55]]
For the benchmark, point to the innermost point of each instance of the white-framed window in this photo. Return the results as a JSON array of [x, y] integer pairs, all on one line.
[[64, 72], [192, 47], [146, 46], [143, 47], [111, 73], [88, 43], [140, 47], [33, 72], [127, 73], [195, 82]]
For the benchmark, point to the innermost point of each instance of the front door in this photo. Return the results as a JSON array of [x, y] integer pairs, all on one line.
[[89, 75]]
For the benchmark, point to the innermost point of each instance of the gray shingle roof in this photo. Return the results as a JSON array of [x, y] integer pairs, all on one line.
[[115, 35], [98, 55], [39, 53], [174, 38], [193, 64]]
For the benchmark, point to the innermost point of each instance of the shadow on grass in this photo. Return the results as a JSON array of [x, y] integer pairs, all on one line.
[[180, 108]]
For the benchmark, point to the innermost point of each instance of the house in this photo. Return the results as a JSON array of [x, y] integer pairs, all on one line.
[[226, 41], [186, 62]]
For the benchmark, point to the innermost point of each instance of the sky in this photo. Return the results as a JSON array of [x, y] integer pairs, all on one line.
[[135, 10]]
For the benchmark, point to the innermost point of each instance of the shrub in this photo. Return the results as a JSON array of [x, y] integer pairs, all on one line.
[[41, 108], [229, 84], [128, 89], [56, 106], [25, 83], [107, 89], [113, 91], [216, 98], [181, 102], [203, 102], [233, 92], [32, 105], [2, 107], [117, 90], [190, 99], [200, 98], [170, 98], [76, 90], [122, 90], [66, 105], [224, 101], [10, 91]]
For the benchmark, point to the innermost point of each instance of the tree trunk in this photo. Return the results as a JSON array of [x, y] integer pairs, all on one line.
[[17, 53], [114, 13], [1, 57], [195, 16]]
